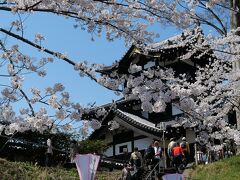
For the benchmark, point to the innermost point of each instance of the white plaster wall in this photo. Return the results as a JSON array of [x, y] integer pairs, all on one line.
[[142, 143], [109, 152]]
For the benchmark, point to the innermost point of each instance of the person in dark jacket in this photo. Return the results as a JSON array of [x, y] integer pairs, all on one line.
[[186, 149], [126, 175], [49, 153], [136, 161], [149, 155]]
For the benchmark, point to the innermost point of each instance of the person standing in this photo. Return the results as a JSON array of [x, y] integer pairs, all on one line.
[[186, 150], [126, 175], [49, 153], [73, 150], [171, 145], [178, 155], [149, 155], [158, 152], [136, 161], [158, 155]]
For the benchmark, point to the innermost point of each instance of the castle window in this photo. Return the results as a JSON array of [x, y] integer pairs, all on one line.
[[232, 118], [123, 148]]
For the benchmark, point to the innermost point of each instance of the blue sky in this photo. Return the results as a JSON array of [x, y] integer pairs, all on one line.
[[76, 43]]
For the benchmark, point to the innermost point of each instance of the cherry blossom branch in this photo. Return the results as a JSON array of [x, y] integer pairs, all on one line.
[[75, 15], [216, 17], [21, 91], [21, 23], [28, 101], [151, 10], [223, 6], [56, 54], [204, 21], [32, 6]]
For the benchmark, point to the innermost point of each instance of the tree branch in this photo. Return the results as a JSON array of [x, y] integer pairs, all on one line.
[[28, 101], [216, 17]]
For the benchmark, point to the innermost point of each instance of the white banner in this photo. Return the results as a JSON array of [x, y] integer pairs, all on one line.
[[173, 177], [87, 165]]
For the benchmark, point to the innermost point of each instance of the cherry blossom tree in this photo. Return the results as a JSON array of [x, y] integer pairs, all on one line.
[[206, 101]]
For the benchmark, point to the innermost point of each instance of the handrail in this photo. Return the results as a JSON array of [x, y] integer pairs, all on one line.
[[153, 170]]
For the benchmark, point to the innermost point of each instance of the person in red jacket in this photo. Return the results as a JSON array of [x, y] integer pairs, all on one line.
[[178, 155]]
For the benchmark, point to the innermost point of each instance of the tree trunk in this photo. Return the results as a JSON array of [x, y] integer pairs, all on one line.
[[235, 15], [235, 23]]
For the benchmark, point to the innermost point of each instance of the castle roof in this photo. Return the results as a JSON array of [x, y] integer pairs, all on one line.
[[136, 123], [188, 46]]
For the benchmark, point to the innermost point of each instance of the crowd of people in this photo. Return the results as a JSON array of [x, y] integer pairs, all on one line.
[[151, 158], [177, 152], [205, 155], [154, 156]]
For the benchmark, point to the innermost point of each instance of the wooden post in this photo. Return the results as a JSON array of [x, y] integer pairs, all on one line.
[[164, 151], [195, 149]]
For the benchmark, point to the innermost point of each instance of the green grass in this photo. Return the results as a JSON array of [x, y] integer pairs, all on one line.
[[25, 171], [227, 169]]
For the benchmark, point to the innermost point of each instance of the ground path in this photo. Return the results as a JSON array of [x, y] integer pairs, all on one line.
[[186, 172]]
